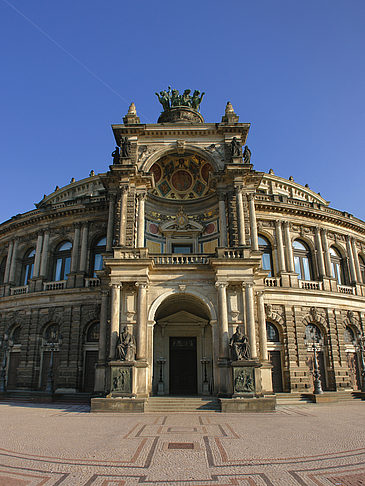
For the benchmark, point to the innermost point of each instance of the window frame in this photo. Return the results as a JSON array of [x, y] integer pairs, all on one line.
[[266, 250], [64, 257], [27, 266], [301, 256]]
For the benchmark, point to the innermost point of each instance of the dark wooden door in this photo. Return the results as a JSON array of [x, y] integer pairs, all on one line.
[[277, 375], [91, 358], [183, 366], [14, 361], [45, 368]]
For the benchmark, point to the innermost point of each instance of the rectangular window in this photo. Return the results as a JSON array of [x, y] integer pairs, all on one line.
[[98, 263], [58, 269], [297, 267], [67, 267], [180, 248], [307, 273], [266, 263]]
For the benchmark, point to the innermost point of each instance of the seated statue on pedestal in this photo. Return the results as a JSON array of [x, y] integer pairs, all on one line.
[[126, 346], [239, 346]]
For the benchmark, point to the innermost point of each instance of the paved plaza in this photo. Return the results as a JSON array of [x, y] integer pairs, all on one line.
[[55, 444]]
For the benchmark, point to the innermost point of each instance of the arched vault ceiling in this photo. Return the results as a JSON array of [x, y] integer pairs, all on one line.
[[182, 302]]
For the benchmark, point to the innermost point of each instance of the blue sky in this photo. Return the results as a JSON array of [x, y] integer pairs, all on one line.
[[293, 69]]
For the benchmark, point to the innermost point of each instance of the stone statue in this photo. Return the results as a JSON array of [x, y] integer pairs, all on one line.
[[235, 148], [247, 155], [239, 346], [175, 98], [125, 145], [126, 346], [196, 99], [185, 98], [164, 99], [115, 156]]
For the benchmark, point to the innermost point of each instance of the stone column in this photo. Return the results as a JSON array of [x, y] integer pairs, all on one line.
[[240, 216], [223, 320], [320, 259], [37, 258], [110, 227], [13, 261], [44, 259], [280, 246], [8, 262], [83, 256], [115, 319], [262, 326], [253, 223], [289, 248], [351, 259], [327, 258], [250, 319], [356, 259], [123, 216], [141, 321], [103, 324], [222, 220], [140, 223], [75, 249]]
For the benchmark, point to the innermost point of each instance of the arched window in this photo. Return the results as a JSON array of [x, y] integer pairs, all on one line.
[[272, 333], [362, 269], [2, 270], [302, 260], [27, 266], [265, 247], [92, 334], [313, 334], [62, 258], [349, 336], [337, 264], [15, 335], [97, 260], [51, 334]]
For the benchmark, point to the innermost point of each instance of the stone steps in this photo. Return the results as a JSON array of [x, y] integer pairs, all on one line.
[[182, 404]]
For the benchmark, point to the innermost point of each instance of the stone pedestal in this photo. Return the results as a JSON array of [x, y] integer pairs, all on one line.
[[247, 389], [246, 379], [121, 378]]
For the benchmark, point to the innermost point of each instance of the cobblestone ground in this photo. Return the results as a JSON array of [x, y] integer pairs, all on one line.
[[296, 445]]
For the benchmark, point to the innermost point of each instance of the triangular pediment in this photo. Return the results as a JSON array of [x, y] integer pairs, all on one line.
[[183, 317]]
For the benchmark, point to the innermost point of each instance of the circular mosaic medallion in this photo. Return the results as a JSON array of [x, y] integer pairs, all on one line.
[[210, 228], [181, 180], [153, 228], [156, 171]]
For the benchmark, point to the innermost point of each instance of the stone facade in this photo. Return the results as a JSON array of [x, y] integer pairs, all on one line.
[[181, 241]]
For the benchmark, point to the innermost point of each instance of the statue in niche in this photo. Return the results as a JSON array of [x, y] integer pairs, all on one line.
[[239, 346], [116, 156], [125, 145], [247, 155], [235, 148], [126, 346]]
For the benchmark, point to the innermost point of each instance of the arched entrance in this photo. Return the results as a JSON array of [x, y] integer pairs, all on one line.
[[182, 347]]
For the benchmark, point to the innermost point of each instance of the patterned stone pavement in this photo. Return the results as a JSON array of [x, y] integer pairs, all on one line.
[[308, 444]]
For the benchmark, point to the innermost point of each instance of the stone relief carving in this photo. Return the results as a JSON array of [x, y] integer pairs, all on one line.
[[144, 152], [121, 380], [244, 380]]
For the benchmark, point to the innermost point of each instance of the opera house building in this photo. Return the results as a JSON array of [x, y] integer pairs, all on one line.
[[181, 271]]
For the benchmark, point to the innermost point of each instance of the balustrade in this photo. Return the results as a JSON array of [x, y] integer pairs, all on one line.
[[310, 285], [59, 285], [92, 282], [24, 289]]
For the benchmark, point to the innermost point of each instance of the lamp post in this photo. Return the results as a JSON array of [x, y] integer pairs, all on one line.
[[5, 344], [315, 346], [361, 344], [53, 343], [160, 387], [205, 361]]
